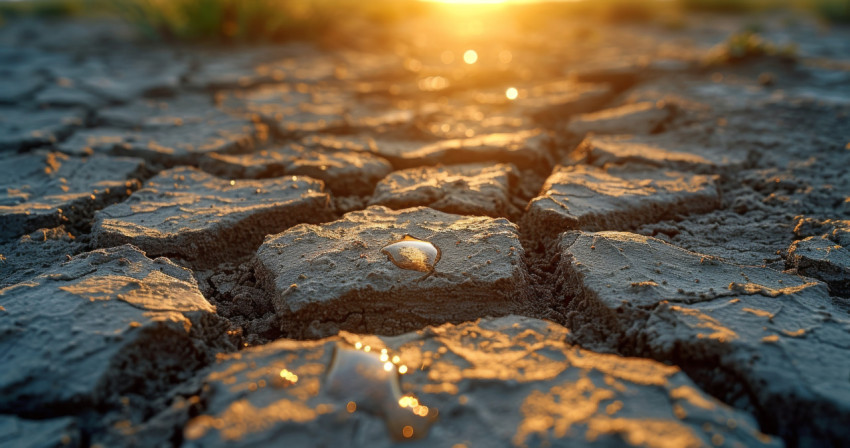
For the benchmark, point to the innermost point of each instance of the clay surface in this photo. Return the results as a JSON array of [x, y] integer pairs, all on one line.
[[168, 132], [636, 118], [517, 375], [47, 189], [478, 189], [735, 329], [480, 272], [20, 433], [22, 129], [401, 177], [345, 173], [590, 198], [105, 324], [187, 213]]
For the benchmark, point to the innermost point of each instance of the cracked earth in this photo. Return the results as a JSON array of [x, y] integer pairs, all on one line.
[[642, 247]]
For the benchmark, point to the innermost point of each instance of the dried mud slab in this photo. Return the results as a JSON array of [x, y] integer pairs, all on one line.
[[637, 118], [168, 146], [184, 110], [823, 252], [289, 110], [459, 119], [510, 381], [590, 198], [118, 76], [669, 150], [47, 189], [58, 432], [173, 132], [335, 276], [126, 77], [65, 93], [837, 230], [823, 259], [529, 149], [107, 324], [17, 87], [476, 189], [620, 75], [32, 254], [771, 343], [252, 66], [22, 129], [186, 213], [556, 101], [343, 172]]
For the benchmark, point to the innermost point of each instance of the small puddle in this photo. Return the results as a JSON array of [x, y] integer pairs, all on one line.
[[413, 254], [369, 382]]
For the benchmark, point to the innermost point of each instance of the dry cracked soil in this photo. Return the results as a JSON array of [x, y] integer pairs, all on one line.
[[593, 235]]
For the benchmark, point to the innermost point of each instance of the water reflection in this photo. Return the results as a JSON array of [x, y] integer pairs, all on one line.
[[369, 382]]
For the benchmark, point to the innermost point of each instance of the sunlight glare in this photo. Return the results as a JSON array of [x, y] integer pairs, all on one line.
[[468, 2], [470, 57]]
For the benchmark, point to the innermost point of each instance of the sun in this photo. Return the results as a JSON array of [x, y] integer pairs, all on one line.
[[468, 2]]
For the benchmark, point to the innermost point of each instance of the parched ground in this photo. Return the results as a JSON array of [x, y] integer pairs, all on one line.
[[595, 234]]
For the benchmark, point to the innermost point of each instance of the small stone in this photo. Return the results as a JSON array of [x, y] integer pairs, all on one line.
[[345, 290], [188, 213], [74, 324], [638, 118], [590, 198], [475, 189], [344, 172], [772, 342], [22, 129], [509, 381], [47, 189]]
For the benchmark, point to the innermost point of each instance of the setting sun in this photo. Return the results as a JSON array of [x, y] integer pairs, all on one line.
[[468, 2]]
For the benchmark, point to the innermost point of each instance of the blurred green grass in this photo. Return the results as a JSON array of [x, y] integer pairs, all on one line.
[[253, 20], [748, 45], [44, 8], [833, 11], [279, 20]]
